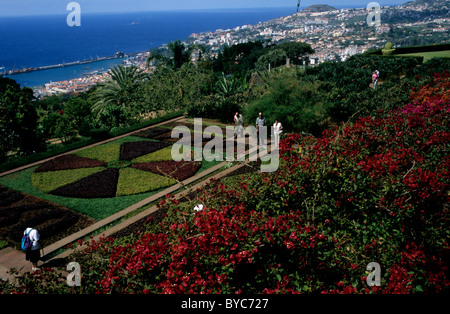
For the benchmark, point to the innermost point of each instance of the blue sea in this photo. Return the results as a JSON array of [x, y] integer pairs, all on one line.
[[47, 40]]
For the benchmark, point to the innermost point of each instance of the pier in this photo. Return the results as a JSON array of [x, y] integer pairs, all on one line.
[[61, 65]]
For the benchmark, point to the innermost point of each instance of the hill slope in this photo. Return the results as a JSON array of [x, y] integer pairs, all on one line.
[[319, 8]]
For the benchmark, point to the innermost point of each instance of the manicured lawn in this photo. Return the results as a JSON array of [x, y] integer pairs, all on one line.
[[97, 208]]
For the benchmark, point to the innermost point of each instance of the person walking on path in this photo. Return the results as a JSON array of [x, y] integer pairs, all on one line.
[[277, 129], [260, 123], [374, 79], [33, 254], [239, 122]]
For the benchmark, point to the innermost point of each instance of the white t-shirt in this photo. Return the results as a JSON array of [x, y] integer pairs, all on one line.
[[277, 128], [34, 237]]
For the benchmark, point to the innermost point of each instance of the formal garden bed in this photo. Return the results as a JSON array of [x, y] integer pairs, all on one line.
[[19, 211], [93, 183], [114, 169], [192, 196]]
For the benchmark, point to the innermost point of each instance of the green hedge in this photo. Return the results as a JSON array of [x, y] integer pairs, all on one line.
[[411, 49], [416, 49]]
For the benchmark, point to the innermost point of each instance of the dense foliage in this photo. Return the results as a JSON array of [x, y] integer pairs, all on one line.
[[374, 190], [18, 120]]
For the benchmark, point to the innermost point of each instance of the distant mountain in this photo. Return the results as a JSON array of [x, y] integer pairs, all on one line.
[[425, 1], [319, 8]]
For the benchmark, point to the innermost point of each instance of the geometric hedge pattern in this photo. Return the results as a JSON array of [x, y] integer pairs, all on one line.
[[113, 169]]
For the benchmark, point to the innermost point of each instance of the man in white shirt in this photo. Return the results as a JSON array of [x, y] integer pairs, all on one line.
[[33, 254]]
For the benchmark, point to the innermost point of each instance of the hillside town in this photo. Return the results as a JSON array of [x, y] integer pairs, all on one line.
[[334, 34], [338, 34]]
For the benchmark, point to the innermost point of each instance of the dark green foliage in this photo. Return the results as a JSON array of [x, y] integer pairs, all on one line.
[[18, 119], [300, 107], [296, 51], [346, 85]]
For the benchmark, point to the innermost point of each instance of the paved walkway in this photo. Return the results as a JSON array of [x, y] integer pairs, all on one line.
[[10, 257]]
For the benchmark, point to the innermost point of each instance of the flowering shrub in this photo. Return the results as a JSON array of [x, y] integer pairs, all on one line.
[[376, 190]]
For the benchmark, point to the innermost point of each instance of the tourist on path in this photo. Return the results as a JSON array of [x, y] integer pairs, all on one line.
[[277, 129], [33, 254], [374, 79], [239, 122], [260, 123]]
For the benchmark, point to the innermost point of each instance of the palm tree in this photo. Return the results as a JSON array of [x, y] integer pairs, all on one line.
[[178, 55], [119, 89]]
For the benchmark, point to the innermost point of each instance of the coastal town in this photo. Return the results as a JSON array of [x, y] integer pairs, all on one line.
[[338, 34], [82, 84], [334, 34]]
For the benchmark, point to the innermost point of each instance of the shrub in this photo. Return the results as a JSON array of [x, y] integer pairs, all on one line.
[[300, 107], [375, 190], [99, 134], [388, 51], [372, 191]]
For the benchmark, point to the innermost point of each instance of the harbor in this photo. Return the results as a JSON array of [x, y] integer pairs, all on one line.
[[79, 78], [117, 55], [74, 74]]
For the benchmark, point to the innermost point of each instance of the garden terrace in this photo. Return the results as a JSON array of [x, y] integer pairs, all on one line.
[[53, 221], [375, 190], [120, 175]]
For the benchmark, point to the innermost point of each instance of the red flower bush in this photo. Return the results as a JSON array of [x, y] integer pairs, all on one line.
[[372, 191]]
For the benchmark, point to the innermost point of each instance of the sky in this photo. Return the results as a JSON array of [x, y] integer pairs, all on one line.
[[40, 7]]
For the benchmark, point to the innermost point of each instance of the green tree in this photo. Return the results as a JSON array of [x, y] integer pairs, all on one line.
[[296, 51], [78, 110], [119, 89], [300, 107], [178, 54], [238, 59], [18, 119], [273, 58], [169, 90]]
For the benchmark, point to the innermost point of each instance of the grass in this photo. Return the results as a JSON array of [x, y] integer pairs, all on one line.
[[97, 209], [428, 55], [132, 181], [160, 155], [51, 180], [106, 152]]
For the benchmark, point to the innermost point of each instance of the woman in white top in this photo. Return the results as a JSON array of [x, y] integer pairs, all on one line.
[[277, 129], [33, 254]]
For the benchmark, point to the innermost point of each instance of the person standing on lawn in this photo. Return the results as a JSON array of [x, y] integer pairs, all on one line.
[[33, 254]]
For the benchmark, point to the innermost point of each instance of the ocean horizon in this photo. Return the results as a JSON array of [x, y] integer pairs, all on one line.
[[36, 41]]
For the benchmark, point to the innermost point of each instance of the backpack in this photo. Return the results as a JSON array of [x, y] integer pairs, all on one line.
[[26, 241]]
